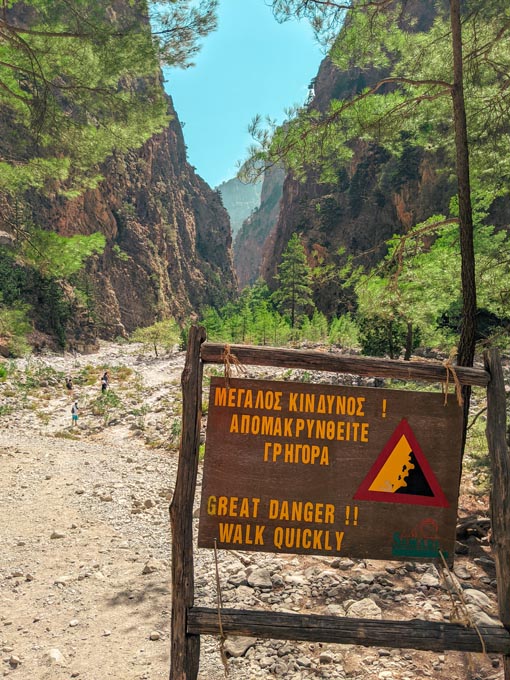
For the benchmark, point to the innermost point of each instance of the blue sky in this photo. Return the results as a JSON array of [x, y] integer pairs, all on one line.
[[250, 65]]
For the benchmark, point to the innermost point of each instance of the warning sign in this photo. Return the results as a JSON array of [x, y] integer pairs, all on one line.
[[324, 469], [402, 474]]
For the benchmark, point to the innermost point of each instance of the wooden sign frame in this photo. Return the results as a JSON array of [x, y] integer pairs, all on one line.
[[189, 622]]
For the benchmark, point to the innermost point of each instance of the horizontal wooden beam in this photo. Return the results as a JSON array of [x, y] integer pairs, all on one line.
[[341, 363], [414, 634]]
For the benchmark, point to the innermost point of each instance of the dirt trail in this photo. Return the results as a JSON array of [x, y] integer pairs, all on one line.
[[73, 554]]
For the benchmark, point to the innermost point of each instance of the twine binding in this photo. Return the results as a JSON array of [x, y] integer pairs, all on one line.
[[450, 368], [460, 613], [230, 361], [219, 606]]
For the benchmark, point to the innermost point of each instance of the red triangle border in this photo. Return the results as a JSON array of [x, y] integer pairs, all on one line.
[[364, 494]]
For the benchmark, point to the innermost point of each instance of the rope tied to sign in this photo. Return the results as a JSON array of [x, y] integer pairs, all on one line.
[[230, 361], [450, 369], [219, 606], [460, 613]]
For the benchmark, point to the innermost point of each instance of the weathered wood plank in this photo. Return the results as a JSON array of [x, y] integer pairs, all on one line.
[[414, 634], [340, 363], [500, 485], [185, 648]]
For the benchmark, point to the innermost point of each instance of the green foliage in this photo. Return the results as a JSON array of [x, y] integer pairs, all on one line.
[[36, 375], [418, 283], [407, 105], [60, 257], [385, 336], [15, 326], [165, 334], [105, 402], [294, 295], [254, 320], [31, 278], [250, 320], [119, 253], [316, 328], [175, 431], [344, 332]]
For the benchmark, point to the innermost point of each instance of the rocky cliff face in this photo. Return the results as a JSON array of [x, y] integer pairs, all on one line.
[[240, 200], [376, 196], [168, 239], [251, 239]]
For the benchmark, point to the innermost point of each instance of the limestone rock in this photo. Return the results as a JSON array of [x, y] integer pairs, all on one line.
[[365, 609], [54, 657], [260, 578], [238, 646]]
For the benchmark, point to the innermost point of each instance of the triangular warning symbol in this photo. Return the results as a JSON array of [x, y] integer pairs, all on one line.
[[402, 474]]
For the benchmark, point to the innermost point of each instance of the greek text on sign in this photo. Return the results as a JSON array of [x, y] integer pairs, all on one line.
[[323, 469]]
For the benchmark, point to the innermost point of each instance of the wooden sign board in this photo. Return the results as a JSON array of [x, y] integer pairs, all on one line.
[[330, 470]]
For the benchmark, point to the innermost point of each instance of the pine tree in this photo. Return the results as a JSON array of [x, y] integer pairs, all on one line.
[[81, 80], [446, 85], [294, 295]]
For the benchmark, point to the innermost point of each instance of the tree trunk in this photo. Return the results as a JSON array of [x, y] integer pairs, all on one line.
[[467, 333], [390, 340], [466, 349], [409, 342]]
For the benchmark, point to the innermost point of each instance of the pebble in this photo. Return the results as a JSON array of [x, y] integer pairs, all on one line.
[[477, 598], [462, 572], [151, 566], [55, 657], [57, 534], [429, 580]]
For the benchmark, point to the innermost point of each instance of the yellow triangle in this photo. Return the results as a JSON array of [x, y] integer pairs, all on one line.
[[391, 476]]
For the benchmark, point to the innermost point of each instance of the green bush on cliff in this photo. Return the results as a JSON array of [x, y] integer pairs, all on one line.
[[60, 257]]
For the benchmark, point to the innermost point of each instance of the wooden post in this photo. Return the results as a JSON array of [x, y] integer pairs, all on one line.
[[185, 649], [500, 486]]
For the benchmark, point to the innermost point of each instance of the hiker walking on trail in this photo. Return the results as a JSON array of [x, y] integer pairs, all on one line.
[[74, 412], [104, 382], [69, 383]]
